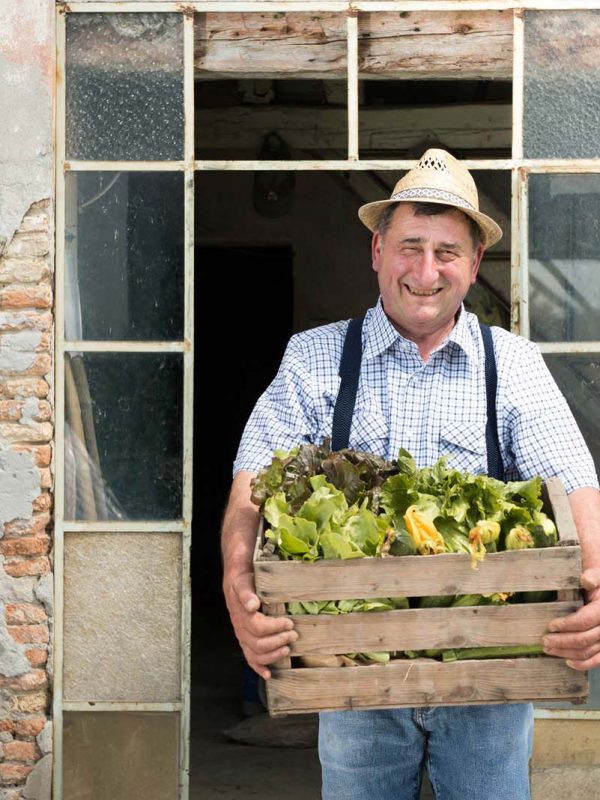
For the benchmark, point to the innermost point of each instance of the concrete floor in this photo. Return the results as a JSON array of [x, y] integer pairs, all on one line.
[[223, 769]]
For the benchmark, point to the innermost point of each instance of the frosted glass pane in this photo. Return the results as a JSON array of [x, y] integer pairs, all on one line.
[[120, 756], [562, 71], [579, 379], [124, 256], [564, 257], [124, 86], [122, 617], [123, 435]]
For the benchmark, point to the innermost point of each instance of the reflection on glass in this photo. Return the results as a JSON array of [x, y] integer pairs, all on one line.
[[271, 86], [123, 435], [564, 257], [120, 755], [124, 256], [110, 580], [562, 104], [124, 86], [578, 377]]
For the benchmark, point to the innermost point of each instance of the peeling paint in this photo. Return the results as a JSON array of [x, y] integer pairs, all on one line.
[[13, 660], [19, 487]]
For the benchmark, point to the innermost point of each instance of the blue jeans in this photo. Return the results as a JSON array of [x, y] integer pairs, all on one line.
[[470, 752]]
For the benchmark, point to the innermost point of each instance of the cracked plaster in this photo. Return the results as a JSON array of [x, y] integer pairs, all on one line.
[[13, 660], [19, 487], [27, 69]]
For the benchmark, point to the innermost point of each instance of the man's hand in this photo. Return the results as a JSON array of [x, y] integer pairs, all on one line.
[[577, 636], [263, 639]]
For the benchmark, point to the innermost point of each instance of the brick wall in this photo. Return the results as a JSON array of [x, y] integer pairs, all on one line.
[[26, 429]]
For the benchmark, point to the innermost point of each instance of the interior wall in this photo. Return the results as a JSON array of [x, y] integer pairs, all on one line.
[[333, 278]]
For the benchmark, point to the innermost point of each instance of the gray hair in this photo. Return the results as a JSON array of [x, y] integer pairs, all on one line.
[[422, 209]]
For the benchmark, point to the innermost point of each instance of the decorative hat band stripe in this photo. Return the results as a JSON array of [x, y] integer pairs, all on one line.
[[435, 194]]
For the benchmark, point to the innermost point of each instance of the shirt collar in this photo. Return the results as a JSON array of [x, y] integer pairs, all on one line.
[[381, 334]]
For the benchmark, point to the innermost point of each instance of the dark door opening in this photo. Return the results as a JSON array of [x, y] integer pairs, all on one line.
[[244, 318]]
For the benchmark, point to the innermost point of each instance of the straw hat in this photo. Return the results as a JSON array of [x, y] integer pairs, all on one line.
[[437, 178]]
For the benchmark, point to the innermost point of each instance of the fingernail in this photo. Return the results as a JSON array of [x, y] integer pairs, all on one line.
[[293, 636], [553, 627], [570, 664], [286, 651]]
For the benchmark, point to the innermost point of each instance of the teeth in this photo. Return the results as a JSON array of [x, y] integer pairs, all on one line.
[[422, 294]]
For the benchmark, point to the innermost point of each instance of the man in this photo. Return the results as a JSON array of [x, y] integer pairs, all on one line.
[[422, 386]]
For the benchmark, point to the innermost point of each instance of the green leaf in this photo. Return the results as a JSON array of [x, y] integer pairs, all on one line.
[[333, 545]]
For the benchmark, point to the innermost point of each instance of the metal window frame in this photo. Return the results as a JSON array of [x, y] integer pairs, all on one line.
[[519, 167]]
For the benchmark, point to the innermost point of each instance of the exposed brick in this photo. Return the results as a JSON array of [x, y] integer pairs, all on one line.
[[10, 410], [37, 657], [34, 432], [24, 270], [29, 727], [27, 527], [25, 244], [25, 546], [42, 453], [30, 702], [36, 218], [36, 320], [13, 773], [36, 679], [24, 614], [40, 364], [46, 480], [20, 751], [23, 296], [29, 633], [7, 725], [42, 503], [19, 567], [24, 386]]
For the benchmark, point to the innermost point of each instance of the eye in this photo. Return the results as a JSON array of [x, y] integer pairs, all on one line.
[[446, 255]]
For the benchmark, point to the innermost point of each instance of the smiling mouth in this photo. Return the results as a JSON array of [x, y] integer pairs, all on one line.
[[419, 293]]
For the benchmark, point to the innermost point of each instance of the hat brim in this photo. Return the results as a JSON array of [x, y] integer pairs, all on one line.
[[370, 214]]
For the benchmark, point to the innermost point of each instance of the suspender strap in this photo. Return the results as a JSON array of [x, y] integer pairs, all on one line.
[[349, 373], [494, 456]]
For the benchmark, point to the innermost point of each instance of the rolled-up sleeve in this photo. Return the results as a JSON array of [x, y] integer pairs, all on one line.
[[283, 415]]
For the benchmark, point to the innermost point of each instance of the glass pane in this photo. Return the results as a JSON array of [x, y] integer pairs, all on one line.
[[122, 617], [564, 247], [271, 86], [124, 86], [562, 105], [123, 435], [579, 379], [124, 255], [120, 755]]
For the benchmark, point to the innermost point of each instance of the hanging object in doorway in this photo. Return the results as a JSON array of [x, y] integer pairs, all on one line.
[[273, 191]]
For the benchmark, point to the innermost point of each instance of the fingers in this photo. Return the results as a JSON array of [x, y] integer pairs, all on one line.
[[576, 637], [590, 579], [583, 619]]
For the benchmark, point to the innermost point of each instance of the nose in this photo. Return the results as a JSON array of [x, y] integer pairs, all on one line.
[[427, 271]]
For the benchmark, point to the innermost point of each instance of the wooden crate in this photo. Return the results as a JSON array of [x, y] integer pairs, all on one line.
[[410, 682]]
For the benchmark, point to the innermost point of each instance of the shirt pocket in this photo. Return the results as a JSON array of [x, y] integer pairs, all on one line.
[[463, 441], [370, 430]]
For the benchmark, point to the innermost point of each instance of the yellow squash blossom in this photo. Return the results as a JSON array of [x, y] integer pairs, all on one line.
[[428, 540], [485, 532]]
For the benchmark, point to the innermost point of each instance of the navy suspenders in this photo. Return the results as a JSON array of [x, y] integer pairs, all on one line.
[[350, 373]]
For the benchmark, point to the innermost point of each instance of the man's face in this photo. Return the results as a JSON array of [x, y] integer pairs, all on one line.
[[425, 266]]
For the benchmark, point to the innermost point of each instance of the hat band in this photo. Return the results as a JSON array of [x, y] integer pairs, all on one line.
[[434, 194]]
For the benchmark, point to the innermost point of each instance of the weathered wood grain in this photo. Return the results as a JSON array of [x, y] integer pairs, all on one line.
[[424, 682], [459, 127], [420, 629], [418, 576], [313, 45]]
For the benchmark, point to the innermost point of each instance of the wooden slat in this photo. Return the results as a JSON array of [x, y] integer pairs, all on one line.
[[419, 576], [560, 508], [420, 629], [391, 45], [423, 682]]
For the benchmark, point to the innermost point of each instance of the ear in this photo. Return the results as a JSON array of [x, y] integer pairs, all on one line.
[[476, 262], [376, 250]]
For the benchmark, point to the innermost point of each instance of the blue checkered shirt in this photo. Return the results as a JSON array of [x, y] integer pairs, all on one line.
[[431, 408]]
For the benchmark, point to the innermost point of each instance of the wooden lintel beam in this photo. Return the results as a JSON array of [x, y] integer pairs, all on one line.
[[457, 127], [407, 45]]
